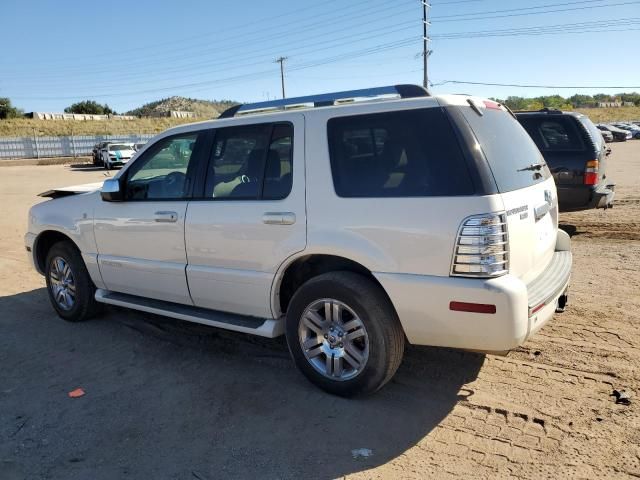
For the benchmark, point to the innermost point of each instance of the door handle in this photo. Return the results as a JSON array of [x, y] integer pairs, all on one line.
[[279, 218], [166, 217]]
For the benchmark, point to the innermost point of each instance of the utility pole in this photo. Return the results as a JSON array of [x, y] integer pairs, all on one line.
[[281, 60], [425, 41]]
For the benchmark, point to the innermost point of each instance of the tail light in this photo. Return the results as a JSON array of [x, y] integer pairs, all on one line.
[[482, 247], [591, 172]]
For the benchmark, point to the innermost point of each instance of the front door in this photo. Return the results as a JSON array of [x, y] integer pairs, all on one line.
[[140, 240], [250, 217]]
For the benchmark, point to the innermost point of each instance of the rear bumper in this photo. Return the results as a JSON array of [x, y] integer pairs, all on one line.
[[423, 302], [579, 197]]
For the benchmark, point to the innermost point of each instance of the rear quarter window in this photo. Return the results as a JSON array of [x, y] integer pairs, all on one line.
[[410, 153], [508, 148], [594, 133]]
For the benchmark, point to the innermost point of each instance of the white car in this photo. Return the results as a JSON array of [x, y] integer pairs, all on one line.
[[350, 222], [116, 154]]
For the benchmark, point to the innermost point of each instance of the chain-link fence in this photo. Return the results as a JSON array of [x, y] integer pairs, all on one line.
[[68, 146]]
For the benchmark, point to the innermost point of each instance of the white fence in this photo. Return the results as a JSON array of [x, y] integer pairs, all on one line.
[[71, 146]]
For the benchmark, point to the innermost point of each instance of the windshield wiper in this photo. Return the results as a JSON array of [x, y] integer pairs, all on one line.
[[534, 167]]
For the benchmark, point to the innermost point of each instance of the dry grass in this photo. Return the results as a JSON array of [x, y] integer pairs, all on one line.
[[20, 127], [25, 127], [604, 115]]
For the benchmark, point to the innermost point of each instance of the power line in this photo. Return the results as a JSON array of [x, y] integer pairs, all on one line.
[[536, 7], [541, 29], [236, 62], [519, 85], [486, 17], [336, 17], [236, 79]]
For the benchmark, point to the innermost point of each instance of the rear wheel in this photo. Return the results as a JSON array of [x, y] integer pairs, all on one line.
[[344, 334], [71, 291]]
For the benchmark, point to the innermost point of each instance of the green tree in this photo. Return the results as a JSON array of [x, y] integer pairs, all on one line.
[[90, 107], [7, 110], [579, 100]]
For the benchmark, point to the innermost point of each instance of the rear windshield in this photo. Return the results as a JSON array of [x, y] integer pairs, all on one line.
[[410, 153], [508, 148], [553, 134]]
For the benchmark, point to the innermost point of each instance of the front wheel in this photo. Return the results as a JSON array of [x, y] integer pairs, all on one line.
[[344, 334], [71, 291]]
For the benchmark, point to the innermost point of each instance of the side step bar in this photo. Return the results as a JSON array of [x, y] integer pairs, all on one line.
[[263, 327]]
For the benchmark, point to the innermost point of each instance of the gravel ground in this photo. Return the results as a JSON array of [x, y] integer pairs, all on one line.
[[166, 399]]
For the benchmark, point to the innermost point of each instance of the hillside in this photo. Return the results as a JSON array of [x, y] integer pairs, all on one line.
[[23, 127], [603, 115], [202, 108]]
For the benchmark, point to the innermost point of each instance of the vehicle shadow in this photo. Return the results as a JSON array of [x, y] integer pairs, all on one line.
[[170, 399], [85, 167], [571, 230]]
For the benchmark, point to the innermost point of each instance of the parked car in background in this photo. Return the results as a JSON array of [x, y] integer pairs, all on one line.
[[607, 135], [634, 129], [619, 135], [338, 225], [576, 153], [116, 154], [96, 153], [138, 146]]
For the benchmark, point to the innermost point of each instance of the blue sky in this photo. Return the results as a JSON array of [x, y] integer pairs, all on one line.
[[127, 53]]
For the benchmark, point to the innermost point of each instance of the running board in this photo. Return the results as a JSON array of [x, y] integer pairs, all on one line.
[[263, 327]]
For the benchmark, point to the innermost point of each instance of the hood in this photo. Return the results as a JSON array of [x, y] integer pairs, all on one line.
[[121, 153], [72, 190]]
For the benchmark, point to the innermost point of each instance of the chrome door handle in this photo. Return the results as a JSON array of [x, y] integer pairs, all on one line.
[[166, 217], [279, 218]]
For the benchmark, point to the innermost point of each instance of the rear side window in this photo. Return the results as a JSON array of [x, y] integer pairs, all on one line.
[[553, 134], [594, 133], [251, 162], [411, 153], [508, 148]]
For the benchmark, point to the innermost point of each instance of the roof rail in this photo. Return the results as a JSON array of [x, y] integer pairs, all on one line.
[[327, 99]]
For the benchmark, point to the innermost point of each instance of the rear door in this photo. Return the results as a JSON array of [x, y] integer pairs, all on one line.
[[250, 216], [525, 184]]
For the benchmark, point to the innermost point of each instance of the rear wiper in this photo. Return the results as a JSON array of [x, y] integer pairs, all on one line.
[[534, 167]]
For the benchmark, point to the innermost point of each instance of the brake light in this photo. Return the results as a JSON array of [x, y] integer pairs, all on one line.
[[492, 105], [591, 172], [481, 248]]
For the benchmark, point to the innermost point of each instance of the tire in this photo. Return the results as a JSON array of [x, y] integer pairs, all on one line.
[[378, 341], [76, 286]]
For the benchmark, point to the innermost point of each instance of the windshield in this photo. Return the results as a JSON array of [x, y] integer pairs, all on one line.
[[113, 148]]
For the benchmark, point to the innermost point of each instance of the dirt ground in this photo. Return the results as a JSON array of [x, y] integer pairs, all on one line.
[[167, 399]]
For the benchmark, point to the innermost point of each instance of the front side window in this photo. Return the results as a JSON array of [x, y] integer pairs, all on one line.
[[412, 153], [162, 172], [251, 162]]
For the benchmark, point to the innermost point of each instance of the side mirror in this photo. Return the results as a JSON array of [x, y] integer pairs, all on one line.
[[112, 190]]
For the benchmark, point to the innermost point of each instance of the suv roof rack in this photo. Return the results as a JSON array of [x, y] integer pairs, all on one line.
[[327, 99]]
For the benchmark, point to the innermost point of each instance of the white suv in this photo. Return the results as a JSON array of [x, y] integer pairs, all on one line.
[[350, 222]]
